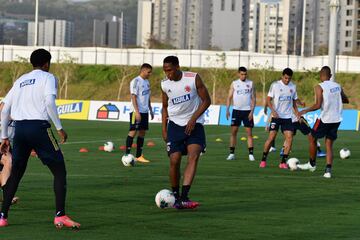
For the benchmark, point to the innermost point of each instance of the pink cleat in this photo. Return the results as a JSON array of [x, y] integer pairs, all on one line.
[[187, 204], [283, 166], [65, 221], [262, 164], [3, 222]]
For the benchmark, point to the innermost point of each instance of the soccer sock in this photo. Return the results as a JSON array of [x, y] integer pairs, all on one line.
[[232, 150], [319, 149], [284, 158], [129, 141], [328, 168], [273, 143], [264, 156], [251, 150], [176, 192], [185, 191], [139, 146], [312, 162], [59, 172]]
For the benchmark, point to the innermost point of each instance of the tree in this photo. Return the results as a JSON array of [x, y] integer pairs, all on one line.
[[18, 67], [65, 72], [125, 72], [265, 71]]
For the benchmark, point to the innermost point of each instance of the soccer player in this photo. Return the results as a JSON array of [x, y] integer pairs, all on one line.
[[31, 102], [242, 94], [141, 106], [281, 100], [184, 99], [330, 97]]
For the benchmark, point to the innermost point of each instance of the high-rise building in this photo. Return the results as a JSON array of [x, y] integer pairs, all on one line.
[[111, 32], [144, 23], [349, 34], [52, 32], [230, 24]]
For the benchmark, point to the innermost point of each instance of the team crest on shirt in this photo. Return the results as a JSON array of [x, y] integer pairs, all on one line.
[[291, 91], [280, 89], [247, 85], [187, 88]]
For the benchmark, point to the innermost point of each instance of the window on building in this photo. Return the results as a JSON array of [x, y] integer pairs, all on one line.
[[233, 5], [348, 23], [349, 2], [222, 5], [347, 44], [348, 33], [348, 12]]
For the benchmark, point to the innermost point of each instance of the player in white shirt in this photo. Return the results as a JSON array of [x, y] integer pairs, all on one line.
[[31, 102], [330, 97], [141, 106], [184, 98], [281, 100], [242, 95]]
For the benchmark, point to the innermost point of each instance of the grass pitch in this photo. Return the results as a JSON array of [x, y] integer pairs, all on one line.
[[238, 200]]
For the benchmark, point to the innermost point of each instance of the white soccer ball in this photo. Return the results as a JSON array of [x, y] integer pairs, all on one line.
[[345, 153], [109, 147], [292, 163], [165, 199], [128, 160]]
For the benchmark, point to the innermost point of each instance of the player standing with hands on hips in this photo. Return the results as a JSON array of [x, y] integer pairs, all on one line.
[[184, 99], [31, 102]]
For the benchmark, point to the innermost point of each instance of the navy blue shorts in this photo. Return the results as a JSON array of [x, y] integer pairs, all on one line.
[[285, 124], [37, 135], [178, 140], [303, 127], [142, 125], [328, 130], [239, 116]]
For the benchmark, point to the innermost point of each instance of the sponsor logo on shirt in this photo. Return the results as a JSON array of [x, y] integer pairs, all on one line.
[[285, 98], [335, 89], [243, 91], [146, 92], [181, 99], [70, 108], [27, 82]]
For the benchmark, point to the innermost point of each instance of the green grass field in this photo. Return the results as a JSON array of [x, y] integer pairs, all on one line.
[[238, 200]]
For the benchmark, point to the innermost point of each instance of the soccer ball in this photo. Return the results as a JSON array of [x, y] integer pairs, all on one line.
[[165, 199], [345, 153], [128, 160], [109, 147], [292, 163]]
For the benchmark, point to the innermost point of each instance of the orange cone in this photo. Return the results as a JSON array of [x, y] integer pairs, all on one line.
[[101, 148], [134, 145], [122, 147], [83, 150], [150, 144]]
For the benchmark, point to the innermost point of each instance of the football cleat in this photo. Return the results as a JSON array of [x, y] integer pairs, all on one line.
[[231, 157], [251, 157], [327, 175], [262, 164], [62, 221], [321, 154], [3, 222], [307, 166], [283, 166], [272, 149], [142, 159]]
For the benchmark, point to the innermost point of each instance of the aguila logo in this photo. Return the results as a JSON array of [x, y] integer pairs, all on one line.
[[187, 89]]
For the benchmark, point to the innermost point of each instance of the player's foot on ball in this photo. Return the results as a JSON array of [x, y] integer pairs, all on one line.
[[321, 154], [272, 149], [142, 159], [65, 221], [307, 166], [3, 222], [251, 157], [283, 166], [262, 164], [231, 157]]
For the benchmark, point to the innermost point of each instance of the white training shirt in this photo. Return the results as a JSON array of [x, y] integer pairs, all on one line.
[[243, 92], [283, 96], [183, 98], [141, 89], [331, 107], [27, 96]]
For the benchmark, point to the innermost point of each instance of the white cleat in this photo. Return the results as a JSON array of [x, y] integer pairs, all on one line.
[[306, 166], [251, 158], [327, 175], [231, 157], [272, 149]]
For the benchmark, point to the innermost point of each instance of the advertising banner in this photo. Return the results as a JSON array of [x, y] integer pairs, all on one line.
[[73, 109]]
